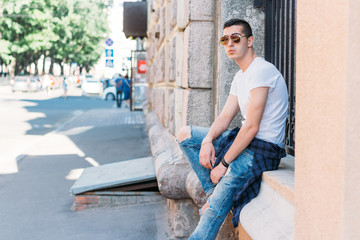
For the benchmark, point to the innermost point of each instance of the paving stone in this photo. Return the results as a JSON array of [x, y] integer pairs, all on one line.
[[105, 118]]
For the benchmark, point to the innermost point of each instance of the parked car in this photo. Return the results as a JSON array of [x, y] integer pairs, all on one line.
[[91, 85], [105, 82], [109, 93], [25, 84]]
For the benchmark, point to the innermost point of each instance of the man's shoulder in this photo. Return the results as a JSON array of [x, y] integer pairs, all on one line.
[[238, 74], [265, 65]]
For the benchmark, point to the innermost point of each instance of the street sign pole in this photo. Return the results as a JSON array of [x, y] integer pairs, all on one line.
[[109, 53]]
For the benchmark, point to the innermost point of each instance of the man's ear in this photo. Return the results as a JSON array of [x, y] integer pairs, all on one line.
[[250, 41]]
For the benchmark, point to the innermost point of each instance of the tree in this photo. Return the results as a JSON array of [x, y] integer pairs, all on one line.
[[89, 33], [65, 31]]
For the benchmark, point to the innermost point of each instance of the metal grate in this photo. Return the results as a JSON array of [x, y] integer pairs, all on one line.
[[280, 20]]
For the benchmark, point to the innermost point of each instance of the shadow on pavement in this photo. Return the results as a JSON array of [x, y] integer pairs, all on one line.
[[38, 202], [56, 111]]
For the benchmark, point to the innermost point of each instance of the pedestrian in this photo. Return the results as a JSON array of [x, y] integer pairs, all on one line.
[[119, 83], [65, 86], [47, 83], [126, 90], [229, 163], [28, 84]]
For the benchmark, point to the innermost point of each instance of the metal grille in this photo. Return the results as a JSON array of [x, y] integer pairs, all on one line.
[[280, 20]]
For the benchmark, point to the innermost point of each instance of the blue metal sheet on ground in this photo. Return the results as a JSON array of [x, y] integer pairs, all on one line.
[[115, 175]]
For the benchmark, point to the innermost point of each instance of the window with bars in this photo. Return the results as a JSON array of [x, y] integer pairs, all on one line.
[[280, 30]]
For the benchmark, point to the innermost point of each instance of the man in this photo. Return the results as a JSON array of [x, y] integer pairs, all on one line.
[[126, 90], [119, 83], [47, 83], [65, 86], [260, 92]]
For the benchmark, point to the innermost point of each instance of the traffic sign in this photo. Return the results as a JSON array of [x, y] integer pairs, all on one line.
[[109, 53], [109, 63], [142, 66], [109, 42]]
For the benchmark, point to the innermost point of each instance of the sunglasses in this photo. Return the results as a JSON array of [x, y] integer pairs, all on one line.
[[235, 37]]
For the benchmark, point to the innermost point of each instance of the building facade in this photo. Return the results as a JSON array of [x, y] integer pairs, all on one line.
[[189, 79]]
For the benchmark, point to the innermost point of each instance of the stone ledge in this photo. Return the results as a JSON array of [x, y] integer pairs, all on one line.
[[271, 213], [177, 182], [283, 180], [170, 165], [272, 210]]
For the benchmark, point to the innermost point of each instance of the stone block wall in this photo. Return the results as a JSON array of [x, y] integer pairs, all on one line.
[[187, 67], [180, 62], [189, 79], [227, 68], [197, 58]]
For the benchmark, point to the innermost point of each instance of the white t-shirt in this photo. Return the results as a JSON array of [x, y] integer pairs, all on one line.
[[261, 73]]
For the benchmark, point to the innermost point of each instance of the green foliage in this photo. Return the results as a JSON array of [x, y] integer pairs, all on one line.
[[66, 31]]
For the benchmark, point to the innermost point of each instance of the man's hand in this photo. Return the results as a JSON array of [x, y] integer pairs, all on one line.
[[217, 173], [207, 155]]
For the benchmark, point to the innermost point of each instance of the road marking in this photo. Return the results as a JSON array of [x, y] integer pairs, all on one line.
[[74, 174], [92, 161]]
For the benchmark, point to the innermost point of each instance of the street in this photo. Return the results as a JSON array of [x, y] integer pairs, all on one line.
[[46, 142]]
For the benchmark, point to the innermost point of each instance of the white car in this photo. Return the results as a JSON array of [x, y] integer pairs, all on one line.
[[109, 93], [91, 85], [25, 84]]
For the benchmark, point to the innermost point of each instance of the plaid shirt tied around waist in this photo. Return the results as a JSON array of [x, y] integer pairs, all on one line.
[[266, 157]]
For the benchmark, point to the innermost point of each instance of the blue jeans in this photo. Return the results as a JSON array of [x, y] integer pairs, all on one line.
[[222, 194]]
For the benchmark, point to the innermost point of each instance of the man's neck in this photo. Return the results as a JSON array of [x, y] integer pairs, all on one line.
[[245, 62]]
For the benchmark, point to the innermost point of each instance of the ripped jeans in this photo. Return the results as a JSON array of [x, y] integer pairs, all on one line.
[[222, 194]]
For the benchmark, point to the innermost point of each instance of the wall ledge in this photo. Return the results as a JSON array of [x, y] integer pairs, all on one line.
[[283, 179], [272, 210], [170, 165]]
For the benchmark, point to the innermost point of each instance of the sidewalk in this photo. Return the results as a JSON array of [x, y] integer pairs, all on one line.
[[36, 202], [14, 122]]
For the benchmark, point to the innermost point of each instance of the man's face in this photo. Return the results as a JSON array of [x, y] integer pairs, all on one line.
[[235, 51]]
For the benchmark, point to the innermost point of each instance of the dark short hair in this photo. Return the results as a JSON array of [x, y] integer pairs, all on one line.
[[246, 29]]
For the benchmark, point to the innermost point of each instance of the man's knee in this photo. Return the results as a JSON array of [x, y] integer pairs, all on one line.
[[184, 133]]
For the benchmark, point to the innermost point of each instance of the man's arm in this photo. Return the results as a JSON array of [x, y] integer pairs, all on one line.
[[221, 123], [248, 131]]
